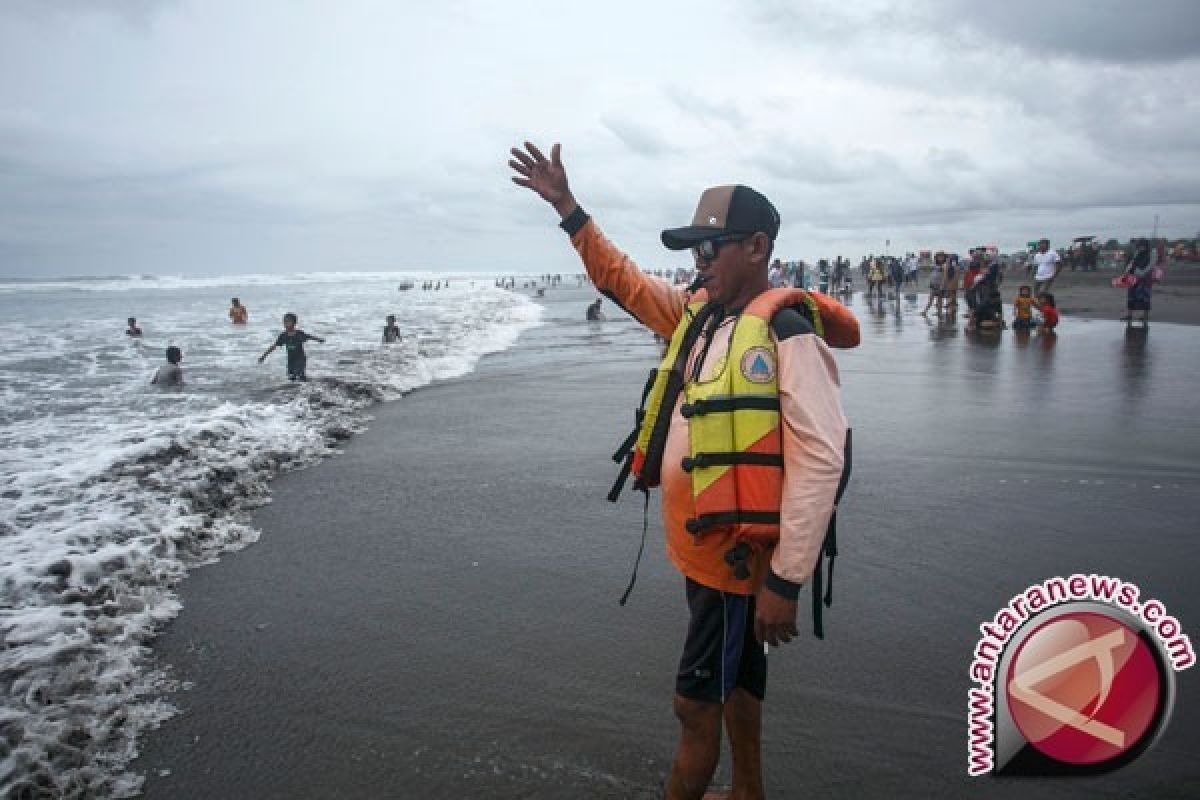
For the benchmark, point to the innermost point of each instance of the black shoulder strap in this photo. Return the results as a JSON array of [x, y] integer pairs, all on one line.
[[624, 454], [829, 548], [652, 467]]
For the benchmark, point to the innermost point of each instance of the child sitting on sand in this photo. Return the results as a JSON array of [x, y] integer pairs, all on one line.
[[133, 329], [293, 340], [1023, 310], [1049, 309]]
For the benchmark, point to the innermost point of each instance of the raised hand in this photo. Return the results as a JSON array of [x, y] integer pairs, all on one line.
[[545, 176]]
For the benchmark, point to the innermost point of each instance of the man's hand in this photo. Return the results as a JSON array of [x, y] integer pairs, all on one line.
[[546, 177], [774, 618]]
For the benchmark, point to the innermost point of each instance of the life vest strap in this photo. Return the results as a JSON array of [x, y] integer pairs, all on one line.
[[718, 405], [705, 521], [624, 454], [651, 472], [641, 548], [829, 549], [730, 459]]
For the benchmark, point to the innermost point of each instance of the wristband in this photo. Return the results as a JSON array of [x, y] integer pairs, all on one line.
[[784, 588]]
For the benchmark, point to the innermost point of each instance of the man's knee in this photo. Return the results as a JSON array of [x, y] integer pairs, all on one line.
[[696, 714]]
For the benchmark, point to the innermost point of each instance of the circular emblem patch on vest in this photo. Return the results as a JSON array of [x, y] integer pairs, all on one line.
[[758, 365]]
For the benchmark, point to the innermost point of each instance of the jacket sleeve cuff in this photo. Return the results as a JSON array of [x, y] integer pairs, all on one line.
[[574, 221], [781, 587]]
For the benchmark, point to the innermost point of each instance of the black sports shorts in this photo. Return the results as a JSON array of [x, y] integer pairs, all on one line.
[[720, 653]]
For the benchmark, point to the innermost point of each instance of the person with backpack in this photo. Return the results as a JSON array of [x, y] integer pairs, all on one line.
[[747, 527]]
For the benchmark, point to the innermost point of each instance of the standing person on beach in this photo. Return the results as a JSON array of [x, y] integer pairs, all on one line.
[[1141, 269], [937, 277], [292, 339], [1047, 266], [722, 674], [238, 313], [950, 284]]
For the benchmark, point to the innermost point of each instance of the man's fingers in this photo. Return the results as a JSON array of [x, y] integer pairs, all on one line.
[[533, 151], [519, 167], [522, 182], [520, 156], [759, 630], [555, 155]]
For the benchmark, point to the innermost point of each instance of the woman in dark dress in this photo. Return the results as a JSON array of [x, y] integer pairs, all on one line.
[[1141, 267]]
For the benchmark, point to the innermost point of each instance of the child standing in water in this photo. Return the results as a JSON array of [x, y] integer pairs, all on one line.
[[238, 313], [1023, 310], [391, 331], [293, 340], [170, 374]]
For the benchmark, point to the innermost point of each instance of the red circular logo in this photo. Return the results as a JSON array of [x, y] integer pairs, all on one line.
[[1084, 688]]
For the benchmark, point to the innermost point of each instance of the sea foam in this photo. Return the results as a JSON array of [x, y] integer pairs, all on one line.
[[111, 490]]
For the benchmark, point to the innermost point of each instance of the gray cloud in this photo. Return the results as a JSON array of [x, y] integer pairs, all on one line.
[[137, 14], [144, 136], [1115, 31], [705, 110], [638, 138]]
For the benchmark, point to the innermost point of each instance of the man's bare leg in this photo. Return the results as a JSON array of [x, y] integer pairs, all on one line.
[[743, 724], [699, 748]]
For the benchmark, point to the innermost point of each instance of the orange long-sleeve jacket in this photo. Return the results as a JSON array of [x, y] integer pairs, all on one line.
[[814, 429]]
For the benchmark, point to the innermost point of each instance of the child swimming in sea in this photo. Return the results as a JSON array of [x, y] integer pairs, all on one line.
[[293, 340], [170, 374], [391, 331], [238, 313]]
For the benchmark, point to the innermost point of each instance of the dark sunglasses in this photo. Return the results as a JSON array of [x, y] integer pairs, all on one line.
[[706, 251]]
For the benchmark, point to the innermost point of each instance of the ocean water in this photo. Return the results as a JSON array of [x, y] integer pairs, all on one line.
[[111, 489]]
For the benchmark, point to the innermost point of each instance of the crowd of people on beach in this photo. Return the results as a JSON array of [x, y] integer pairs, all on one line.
[[978, 277]]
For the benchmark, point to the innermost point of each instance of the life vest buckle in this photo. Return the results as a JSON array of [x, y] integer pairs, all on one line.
[[736, 557]]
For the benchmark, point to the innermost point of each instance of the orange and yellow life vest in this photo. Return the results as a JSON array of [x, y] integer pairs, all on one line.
[[735, 458]]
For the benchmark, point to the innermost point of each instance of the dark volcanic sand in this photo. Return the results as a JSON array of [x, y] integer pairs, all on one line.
[[433, 613]]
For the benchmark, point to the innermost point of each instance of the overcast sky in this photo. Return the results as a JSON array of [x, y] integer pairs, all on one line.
[[203, 137]]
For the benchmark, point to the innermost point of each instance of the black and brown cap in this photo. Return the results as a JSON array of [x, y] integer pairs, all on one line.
[[725, 209]]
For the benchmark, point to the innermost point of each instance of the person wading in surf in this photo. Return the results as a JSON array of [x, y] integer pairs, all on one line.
[[733, 612]]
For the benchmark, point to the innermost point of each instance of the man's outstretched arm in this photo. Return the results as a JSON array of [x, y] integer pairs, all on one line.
[[654, 302]]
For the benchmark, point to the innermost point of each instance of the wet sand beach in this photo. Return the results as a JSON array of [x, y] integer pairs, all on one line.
[[434, 612]]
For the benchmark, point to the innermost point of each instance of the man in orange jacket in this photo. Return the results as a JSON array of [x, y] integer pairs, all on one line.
[[722, 673]]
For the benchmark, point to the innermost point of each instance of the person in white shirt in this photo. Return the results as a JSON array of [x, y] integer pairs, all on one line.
[[1047, 266]]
